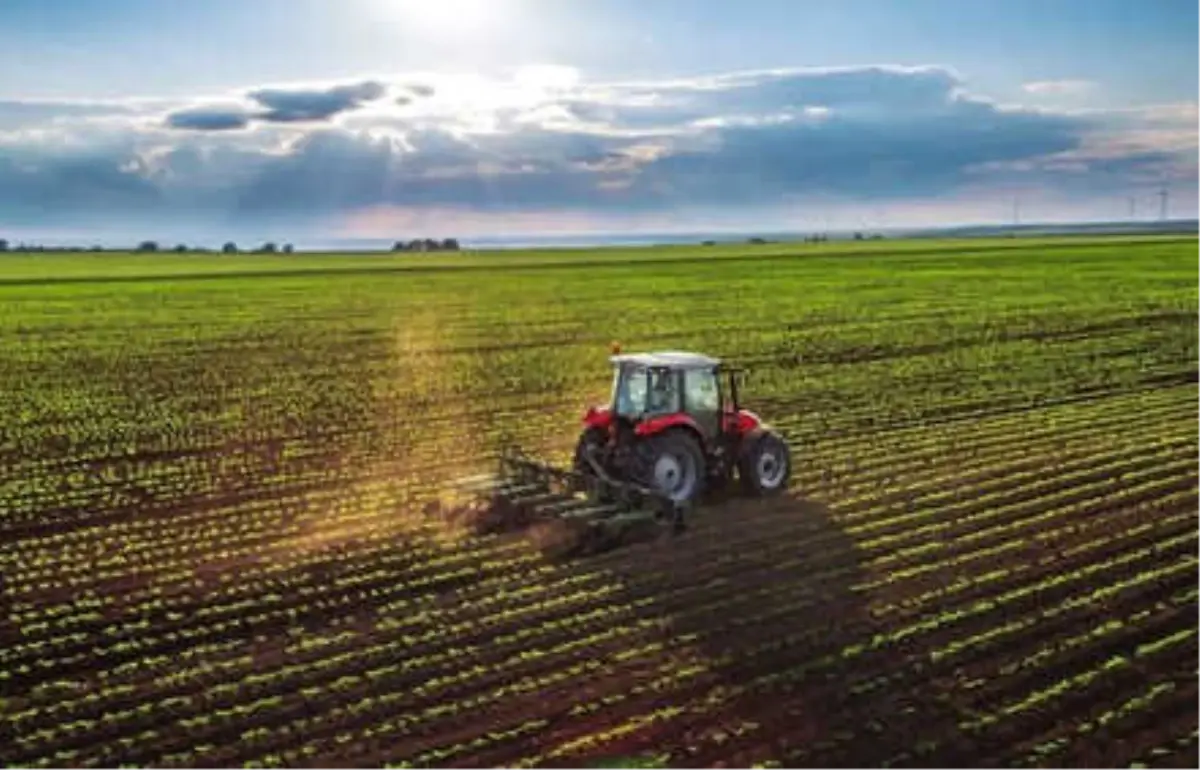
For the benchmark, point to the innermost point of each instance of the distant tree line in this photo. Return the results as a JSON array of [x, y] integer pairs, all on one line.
[[415, 245], [230, 247], [815, 238], [270, 247], [6, 246], [426, 244]]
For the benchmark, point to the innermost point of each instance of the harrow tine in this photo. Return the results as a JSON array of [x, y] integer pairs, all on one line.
[[537, 500], [514, 492], [477, 479], [590, 513], [564, 507]]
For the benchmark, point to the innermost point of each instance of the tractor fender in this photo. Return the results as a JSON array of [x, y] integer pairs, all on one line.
[[681, 423], [751, 436], [657, 425], [743, 422], [598, 417], [757, 430]]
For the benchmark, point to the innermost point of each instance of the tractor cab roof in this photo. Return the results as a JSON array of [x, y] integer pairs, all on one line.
[[668, 359]]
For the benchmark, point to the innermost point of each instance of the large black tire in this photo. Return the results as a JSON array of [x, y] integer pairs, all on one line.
[[765, 465], [674, 463]]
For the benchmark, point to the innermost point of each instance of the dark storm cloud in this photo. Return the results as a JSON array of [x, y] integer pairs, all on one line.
[[872, 134], [209, 119], [93, 183], [336, 170], [743, 140], [280, 105], [314, 104], [907, 155]]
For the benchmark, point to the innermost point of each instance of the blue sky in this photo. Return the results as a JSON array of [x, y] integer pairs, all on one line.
[[307, 118]]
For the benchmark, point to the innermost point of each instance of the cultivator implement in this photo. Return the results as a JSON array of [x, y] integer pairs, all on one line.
[[568, 511]]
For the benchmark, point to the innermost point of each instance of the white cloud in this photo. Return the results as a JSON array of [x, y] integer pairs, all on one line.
[[1059, 87]]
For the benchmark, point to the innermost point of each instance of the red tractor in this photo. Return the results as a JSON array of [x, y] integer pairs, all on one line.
[[672, 430], [674, 425]]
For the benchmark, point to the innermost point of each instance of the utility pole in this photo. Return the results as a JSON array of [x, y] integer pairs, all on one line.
[[1016, 211], [1162, 205], [1132, 208]]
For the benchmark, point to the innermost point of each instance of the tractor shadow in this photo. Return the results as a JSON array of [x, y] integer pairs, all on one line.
[[761, 595]]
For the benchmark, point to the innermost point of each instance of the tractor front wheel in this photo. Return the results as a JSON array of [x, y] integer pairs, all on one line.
[[765, 466], [674, 464]]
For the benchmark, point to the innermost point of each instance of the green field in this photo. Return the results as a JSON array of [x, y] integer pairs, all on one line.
[[217, 550]]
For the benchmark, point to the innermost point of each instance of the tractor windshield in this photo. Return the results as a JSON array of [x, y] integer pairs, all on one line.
[[629, 391], [639, 391]]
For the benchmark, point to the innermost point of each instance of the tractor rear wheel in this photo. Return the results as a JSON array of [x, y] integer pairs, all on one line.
[[674, 464], [765, 465]]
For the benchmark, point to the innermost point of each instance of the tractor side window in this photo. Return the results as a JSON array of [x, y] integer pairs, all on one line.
[[664, 396], [701, 390]]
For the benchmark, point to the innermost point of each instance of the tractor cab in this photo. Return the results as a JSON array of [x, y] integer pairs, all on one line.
[[654, 386]]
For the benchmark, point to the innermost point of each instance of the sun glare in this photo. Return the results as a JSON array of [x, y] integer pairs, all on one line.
[[442, 16]]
